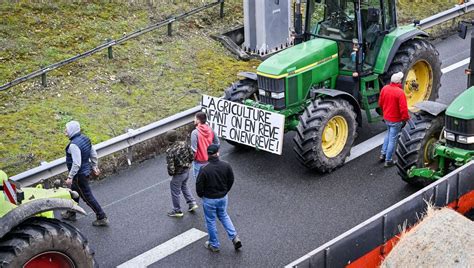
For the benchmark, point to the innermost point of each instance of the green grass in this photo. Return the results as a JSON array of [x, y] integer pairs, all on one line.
[[151, 77]]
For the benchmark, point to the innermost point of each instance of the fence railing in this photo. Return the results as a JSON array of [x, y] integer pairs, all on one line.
[[124, 141], [109, 45], [377, 231], [131, 138], [447, 15]]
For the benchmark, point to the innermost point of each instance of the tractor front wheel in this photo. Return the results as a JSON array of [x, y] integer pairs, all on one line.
[[42, 242], [325, 134], [238, 92], [416, 146]]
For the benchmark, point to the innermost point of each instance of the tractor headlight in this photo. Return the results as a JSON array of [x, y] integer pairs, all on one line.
[[261, 92], [449, 136], [280, 95], [465, 140]]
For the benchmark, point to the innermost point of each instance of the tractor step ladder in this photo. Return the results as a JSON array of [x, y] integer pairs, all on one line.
[[370, 90]]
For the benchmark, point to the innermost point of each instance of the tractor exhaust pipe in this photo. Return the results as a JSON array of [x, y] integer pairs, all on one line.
[[298, 23], [470, 77]]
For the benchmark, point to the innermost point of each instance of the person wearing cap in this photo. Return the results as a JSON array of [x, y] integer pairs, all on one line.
[[201, 138], [178, 159], [81, 162], [394, 107], [213, 183]]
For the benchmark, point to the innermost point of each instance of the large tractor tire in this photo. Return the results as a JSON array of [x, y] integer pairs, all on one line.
[[419, 61], [325, 134], [242, 90], [42, 242], [416, 145], [238, 92]]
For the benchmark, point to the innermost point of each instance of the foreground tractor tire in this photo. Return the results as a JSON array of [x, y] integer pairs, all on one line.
[[238, 92], [41, 242], [325, 134], [419, 61], [416, 145]]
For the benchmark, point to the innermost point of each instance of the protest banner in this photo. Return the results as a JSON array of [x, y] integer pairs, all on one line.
[[245, 124]]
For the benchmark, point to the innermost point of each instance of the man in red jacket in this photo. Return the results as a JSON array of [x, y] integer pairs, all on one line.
[[393, 103], [201, 138]]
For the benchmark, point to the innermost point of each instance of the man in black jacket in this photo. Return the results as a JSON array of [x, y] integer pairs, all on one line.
[[212, 185]]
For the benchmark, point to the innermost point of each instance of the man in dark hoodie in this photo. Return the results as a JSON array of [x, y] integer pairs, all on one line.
[[81, 161], [213, 183], [201, 138]]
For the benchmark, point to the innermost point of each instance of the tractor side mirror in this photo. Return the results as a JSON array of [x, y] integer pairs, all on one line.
[[373, 15], [462, 30]]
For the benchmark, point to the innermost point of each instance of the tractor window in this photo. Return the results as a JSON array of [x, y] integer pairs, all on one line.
[[390, 14], [334, 19]]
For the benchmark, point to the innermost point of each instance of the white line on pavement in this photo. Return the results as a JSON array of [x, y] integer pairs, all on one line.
[[167, 248], [127, 197], [455, 66], [366, 146]]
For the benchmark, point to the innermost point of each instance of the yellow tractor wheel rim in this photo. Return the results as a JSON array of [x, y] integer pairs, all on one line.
[[335, 136], [428, 151], [418, 83]]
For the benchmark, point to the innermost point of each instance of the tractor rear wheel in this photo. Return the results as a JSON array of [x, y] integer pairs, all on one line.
[[42, 242], [419, 61], [238, 92], [416, 146], [325, 134]]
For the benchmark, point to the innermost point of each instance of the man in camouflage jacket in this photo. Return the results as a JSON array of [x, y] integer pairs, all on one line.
[[179, 157]]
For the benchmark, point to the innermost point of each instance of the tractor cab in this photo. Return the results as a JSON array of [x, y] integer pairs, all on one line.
[[356, 26]]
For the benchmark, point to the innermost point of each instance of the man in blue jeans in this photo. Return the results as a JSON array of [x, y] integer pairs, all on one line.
[[393, 103], [213, 183]]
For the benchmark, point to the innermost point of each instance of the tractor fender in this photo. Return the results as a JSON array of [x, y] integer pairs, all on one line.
[[399, 41], [249, 75], [333, 93], [431, 107], [22, 212]]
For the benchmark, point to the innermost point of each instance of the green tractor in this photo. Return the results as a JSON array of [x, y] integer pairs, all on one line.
[[29, 234], [343, 55], [438, 138]]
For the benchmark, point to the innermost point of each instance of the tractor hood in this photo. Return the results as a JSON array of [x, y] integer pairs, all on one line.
[[462, 107], [299, 58]]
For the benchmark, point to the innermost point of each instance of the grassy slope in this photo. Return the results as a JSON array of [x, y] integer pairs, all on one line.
[[149, 78]]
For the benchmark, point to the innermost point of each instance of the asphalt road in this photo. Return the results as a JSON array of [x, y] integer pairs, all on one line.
[[280, 209]]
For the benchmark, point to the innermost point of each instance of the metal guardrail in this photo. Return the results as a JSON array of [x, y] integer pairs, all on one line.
[[108, 147], [109, 44], [376, 231], [447, 15]]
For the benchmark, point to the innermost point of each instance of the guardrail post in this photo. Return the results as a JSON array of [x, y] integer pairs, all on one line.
[[221, 13], [110, 53], [44, 83], [170, 29], [129, 155]]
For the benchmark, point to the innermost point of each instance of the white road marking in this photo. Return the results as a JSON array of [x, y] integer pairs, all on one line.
[[127, 197], [167, 248], [366, 146], [455, 66]]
